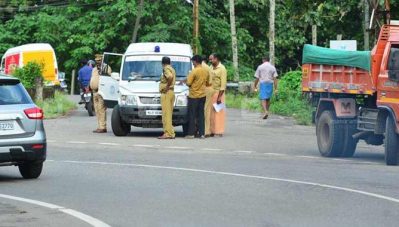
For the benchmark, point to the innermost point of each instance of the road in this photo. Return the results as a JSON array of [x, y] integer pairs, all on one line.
[[262, 173]]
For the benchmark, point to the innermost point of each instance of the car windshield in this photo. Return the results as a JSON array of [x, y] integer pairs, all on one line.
[[13, 93], [138, 68]]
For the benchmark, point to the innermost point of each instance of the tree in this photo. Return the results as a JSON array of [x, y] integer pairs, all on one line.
[[234, 40], [137, 24]]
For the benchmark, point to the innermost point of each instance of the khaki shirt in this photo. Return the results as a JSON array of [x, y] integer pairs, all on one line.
[[219, 77], [205, 66], [168, 72], [95, 78], [197, 81]]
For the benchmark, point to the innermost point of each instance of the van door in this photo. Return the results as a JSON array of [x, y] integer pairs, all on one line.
[[109, 78]]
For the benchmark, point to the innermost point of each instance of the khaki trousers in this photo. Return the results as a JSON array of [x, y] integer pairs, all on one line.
[[208, 108], [101, 111], [167, 101]]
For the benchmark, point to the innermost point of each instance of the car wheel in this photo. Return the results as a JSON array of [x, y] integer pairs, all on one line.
[[31, 170]]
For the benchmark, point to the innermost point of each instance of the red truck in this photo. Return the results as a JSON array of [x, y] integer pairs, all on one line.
[[356, 95]]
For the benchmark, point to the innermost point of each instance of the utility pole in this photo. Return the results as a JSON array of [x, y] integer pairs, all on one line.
[[196, 27], [234, 40], [366, 25], [272, 30]]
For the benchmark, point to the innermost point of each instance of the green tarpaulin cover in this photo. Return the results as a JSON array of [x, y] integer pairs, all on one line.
[[325, 56]]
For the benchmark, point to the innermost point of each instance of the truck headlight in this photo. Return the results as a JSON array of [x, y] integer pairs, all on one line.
[[181, 100], [128, 100]]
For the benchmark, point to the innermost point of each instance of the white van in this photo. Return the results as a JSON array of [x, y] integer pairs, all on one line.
[[134, 91]]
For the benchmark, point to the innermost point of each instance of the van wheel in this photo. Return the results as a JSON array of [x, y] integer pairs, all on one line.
[[329, 132], [391, 143], [31, 170], [119, 127], [349, 144]]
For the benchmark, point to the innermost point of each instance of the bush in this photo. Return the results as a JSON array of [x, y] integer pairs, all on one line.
[[29, 73], [60, 105]]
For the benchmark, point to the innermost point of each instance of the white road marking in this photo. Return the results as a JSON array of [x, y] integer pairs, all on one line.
[[211, 149], [181, 148], [84, 217], [109, 144], [145, 145], [245, 152], [356, 191], [304, 156], [274, 154], [77, 142]]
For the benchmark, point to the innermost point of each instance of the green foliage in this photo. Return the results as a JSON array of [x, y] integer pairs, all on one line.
[[290, 85], [246, 72], [57, 106], [28, 73], [79, 29]]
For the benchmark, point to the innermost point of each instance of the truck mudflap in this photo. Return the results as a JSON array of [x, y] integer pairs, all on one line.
[[344, 107]]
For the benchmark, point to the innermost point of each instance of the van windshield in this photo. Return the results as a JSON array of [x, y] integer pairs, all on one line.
[[150, 67]]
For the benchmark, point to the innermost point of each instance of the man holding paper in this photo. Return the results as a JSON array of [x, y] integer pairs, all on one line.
[[219, 83]]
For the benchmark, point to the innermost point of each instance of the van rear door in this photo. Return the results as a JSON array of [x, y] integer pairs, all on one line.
[[109, 78]]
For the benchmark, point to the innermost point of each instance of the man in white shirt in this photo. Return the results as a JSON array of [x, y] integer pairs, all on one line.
[[267, 75]]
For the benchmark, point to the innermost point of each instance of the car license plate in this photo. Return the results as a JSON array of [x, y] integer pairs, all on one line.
[[5, 126], [153, 112]]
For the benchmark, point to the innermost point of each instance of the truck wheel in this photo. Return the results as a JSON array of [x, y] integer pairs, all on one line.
[[349, 144], [329, 134], [119, 127], [391, 143], [30, 170], [90, 108]]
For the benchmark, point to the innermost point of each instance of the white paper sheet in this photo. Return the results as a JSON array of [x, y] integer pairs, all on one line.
[[219, 107]]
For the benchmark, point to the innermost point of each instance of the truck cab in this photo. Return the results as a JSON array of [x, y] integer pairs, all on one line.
[[133, 92]]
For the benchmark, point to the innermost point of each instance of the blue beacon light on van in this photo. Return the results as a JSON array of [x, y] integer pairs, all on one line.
[[157, 49]]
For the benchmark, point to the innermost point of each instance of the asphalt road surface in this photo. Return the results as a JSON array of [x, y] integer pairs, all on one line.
[[262, 173]]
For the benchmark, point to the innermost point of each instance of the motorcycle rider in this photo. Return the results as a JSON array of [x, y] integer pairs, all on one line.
[[84, 76]]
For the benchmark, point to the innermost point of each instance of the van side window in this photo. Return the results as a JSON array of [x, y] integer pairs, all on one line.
[[393, 63]]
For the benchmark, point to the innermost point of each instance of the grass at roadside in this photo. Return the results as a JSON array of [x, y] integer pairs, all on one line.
[[293, 106], [58, 106]]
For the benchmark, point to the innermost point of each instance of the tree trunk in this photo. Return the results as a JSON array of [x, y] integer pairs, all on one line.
[[137, 24], [39, 89], [272, 30], [196, 27], [314, 34], [366, 25], [234, 40]]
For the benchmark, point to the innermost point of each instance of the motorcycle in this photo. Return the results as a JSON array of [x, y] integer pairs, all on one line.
[[87, 100]]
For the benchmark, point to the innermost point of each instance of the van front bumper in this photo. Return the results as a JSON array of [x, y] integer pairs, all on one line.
[[137, 116]]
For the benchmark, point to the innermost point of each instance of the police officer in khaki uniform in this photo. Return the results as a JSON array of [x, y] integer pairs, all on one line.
[[166, 88], [208, 102], [99, 104]]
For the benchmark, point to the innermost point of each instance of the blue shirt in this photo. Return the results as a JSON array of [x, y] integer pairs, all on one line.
[[84, 75]]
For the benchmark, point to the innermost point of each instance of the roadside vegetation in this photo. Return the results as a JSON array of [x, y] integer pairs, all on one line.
[[55, 105], [289, 101], [58, 106]]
